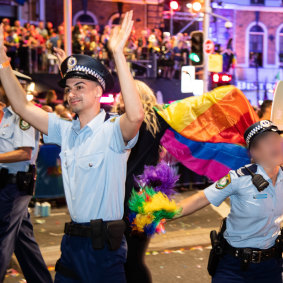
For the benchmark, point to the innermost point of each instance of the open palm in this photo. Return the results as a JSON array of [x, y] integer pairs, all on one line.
[[120, 34]]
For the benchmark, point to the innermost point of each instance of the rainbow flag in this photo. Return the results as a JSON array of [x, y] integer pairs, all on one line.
[[206, 133]]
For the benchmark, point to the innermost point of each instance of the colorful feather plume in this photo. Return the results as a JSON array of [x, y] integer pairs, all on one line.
[[161, 177], [151, 205]]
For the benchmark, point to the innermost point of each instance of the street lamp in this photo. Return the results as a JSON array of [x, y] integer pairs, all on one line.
[[196, 7], [174, 5]]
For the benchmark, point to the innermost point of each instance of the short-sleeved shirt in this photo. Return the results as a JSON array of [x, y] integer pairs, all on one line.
[[255, 217], [94, 165], [14, 134]]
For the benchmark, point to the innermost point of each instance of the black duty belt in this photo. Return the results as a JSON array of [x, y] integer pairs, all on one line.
[[78, 230], [252, 255], [100, 232], [12, 179]]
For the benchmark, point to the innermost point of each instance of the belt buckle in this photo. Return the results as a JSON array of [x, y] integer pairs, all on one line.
[[256, 256]]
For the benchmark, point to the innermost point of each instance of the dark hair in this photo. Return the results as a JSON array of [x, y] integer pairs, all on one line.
[[265, 104]]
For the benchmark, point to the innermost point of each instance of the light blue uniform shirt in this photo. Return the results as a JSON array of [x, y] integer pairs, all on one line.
[[12, 137], [94, 163], [255, 217]]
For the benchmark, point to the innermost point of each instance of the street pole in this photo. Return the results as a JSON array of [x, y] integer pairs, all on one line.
[[68, 26], [206, 19], [171, 21]]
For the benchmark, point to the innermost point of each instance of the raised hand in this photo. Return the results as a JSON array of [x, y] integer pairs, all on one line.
[[60, 54], [3, 49], [120, 34]]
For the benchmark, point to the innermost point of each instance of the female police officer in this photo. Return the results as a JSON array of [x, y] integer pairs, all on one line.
[[253, 225]]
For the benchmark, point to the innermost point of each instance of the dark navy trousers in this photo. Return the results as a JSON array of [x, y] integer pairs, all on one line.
[[229, 271], [16, 235], [93, 266]]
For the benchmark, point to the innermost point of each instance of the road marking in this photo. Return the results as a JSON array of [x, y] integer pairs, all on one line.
[[223, 209]]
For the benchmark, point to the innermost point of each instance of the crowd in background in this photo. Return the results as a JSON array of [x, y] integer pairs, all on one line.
[[30, 46]]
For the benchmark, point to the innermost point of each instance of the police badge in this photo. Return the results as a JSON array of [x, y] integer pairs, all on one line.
[[223, 182], [24, 125]]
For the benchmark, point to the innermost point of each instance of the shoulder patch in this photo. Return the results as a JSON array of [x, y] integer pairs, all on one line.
[[24, 125], [223, 182], [112, 120], [244, 172]]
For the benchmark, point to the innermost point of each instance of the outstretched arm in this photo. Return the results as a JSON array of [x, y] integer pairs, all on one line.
[[193, 203], [133, 117], [17, 96]]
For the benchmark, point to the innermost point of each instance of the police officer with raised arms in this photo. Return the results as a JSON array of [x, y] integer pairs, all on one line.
[[94, 152], [18, 151], [248, 249]]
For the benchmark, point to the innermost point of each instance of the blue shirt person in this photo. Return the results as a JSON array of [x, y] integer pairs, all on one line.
[[18, 145], [255, 217], [94, 155], [93, 161], [250, 250]]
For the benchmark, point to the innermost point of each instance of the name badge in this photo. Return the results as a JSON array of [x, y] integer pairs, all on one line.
[[260, 196]]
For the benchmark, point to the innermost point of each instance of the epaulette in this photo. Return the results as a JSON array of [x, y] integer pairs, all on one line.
[[244, 172]]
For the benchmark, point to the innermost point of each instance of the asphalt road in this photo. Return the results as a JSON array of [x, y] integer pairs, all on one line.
[[179, 255]]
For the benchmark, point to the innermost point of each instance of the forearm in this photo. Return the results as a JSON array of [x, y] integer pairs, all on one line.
[[193, 203], [15, 156], [133, 105], [17, 98], [12, 87]]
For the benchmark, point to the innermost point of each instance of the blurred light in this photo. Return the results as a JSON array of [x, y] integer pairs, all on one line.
[[194, 57], [226, 78], [189, 5], [228, 24], [221, 78], [29, 97], [174, 5], [197, 6], [215, 78], [31, 87], [107, 99]]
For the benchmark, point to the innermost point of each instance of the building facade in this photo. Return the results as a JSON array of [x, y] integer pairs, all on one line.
[[257, 34]]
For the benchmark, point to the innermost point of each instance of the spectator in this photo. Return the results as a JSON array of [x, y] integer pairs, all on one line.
[[264, 112], [51, 98]]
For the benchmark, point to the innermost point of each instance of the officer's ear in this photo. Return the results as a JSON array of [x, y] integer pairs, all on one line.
[[98, 91]]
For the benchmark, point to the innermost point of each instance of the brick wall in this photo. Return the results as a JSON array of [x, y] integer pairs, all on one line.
[[102, 10], [271, 21]]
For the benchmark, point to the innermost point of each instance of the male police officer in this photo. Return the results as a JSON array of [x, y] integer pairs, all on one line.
[[18, 146], [94, 154], [249, 248]]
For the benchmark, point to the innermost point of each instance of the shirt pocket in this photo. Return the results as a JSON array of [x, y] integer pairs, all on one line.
[[91, 161], [256, 205], [6, 133]]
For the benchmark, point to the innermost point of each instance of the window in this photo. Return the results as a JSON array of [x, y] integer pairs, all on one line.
[[87, 18], [280, 51], [257, 2], [256, 37]]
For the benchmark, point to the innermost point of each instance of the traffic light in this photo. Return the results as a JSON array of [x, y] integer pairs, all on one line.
[[196, 55], [174, 5], [219, 79]]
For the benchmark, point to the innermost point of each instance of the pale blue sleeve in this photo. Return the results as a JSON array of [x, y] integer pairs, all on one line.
[[23, 138], [117, 142], [55, 129], [216, 195]]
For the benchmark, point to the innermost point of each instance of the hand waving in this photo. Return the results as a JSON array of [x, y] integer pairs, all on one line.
[[120, 34], [3, 49], [60, 54]]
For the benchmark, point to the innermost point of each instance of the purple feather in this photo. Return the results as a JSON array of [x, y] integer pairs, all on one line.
[[161, 177]]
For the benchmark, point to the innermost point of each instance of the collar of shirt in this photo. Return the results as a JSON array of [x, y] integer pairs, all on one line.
[[262, 172], [92, 125], [8, 110]]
